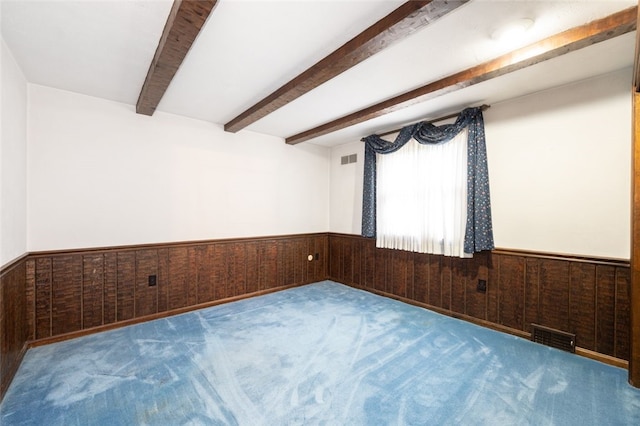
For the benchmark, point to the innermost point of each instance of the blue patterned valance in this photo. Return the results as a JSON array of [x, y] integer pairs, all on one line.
[[479, 231]]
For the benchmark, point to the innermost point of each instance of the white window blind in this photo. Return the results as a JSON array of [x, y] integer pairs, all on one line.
[[422, 197]]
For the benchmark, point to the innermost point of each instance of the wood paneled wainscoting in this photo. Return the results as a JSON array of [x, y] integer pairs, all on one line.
[[51, 296], [14, 333], [585, 296], [75, 292]]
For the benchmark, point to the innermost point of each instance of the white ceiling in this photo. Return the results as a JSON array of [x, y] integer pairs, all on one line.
[[248, 49]]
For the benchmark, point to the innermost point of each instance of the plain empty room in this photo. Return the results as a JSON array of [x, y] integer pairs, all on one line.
[[209, 215]]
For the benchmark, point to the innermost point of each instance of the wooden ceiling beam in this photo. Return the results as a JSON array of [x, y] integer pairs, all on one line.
[[549, 48], [405, 20], [183, 25]]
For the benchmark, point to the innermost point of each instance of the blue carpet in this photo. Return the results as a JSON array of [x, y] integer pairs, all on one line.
[[319, 354]]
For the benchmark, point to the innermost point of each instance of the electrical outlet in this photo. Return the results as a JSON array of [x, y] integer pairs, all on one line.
[[482, 286], [153, 280]]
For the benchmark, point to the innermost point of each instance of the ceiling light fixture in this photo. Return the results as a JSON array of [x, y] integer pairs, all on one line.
[[513, 31]]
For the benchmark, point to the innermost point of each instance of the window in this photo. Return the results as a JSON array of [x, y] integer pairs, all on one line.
[[428, 191], [422, 197]]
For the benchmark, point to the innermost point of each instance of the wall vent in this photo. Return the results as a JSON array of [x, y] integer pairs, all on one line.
[[554, 338], [348, 159]]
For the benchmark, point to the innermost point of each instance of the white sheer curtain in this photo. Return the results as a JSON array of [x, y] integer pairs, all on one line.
[[422, 197]]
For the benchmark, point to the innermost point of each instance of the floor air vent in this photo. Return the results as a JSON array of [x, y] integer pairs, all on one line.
[[554, 338]]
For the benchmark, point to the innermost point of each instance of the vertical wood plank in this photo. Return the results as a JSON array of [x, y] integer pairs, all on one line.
[[192, 277], [310, 266], [300, 254], [280, 250], [66, 294], [493, 288], [421, 277], [370, 263], [43, 297], [284, 267], [321, 249], [163, 279], [30, 265], [126, 278], [358, 266], [410, 275], [532, 294], [268, 265], [220, 259], [398, 273], [554, 294], [252, 268], [335, 263], [459, 281], [380, 278], [447, 277], [110, 290], [347, 261], [204, 276], [623, 324], [146, 296], [582, 304], [178, 276], [605, 303], [511, 282], [324, 257], [622, 308], [301, 257], [476, 302], [291, 262], [285, 263], [92, 290], [237, 271], [435, 281]]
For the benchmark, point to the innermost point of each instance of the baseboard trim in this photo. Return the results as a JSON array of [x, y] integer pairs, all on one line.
[[13, 369], [616, 362], [146, 318], [606, 359]]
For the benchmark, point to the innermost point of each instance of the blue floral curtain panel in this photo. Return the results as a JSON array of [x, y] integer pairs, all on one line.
[[479, 231]]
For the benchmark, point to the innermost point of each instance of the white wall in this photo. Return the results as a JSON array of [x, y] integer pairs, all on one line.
[[559, 168], [560, 164], [346, 189], [13, 159], [101, 175]]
